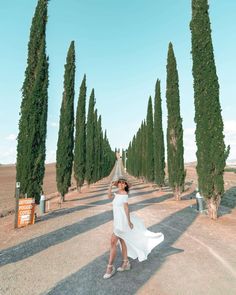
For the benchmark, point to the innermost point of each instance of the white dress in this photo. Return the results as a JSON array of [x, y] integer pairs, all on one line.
[[139, 240]]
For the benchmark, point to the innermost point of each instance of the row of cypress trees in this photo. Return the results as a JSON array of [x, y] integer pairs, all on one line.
[[94, 157], [211, 150], [146, 152], [89, 154], [31, 147], [144, 157]]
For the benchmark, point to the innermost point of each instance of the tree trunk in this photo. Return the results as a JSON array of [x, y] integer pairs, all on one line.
[[78, 187], [213, 206], [177, 194], [161, 188], [62, 198]]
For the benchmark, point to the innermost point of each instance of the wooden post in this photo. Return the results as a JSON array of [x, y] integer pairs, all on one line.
[[17, 203]]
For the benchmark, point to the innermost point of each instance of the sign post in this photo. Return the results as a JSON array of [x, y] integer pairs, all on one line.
[[17, 203], [24, 209]]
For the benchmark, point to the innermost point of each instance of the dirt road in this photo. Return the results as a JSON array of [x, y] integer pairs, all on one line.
[[67, 250]]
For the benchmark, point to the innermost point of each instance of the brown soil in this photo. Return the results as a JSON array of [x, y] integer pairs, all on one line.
[[8, 175], [7, 183]]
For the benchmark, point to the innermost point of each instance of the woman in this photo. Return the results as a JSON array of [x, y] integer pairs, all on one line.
[[134, 239]]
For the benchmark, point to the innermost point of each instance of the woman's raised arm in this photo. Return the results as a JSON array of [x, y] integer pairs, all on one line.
[[109, 191]]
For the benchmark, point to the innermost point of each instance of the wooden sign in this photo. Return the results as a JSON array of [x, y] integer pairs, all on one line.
[[26, 212]]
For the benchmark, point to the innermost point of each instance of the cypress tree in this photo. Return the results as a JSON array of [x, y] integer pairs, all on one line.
[[65, 143], [134, 163], [159, 150], [109, 157], [99, 148], [141, 150], [175, 147], [105, 156], [90, 140], [144, 149], [33, 116], [211, 152], [150, 157], [128, 158], [80, 137], [96, 147], [138, 152], [123, 157]]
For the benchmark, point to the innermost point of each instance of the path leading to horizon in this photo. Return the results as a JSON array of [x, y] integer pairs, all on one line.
[[67, 250]]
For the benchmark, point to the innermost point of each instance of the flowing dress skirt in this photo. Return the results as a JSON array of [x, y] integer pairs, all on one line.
[[139, 240]]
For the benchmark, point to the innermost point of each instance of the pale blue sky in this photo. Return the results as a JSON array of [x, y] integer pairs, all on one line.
[[122, 48]]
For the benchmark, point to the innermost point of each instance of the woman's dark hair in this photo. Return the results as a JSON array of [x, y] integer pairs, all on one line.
[[126, 187]]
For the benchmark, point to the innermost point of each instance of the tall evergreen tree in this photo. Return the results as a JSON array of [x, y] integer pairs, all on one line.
[[144, 149], [138, 153], [211, 152], [159, 150], [33, 117], [175, 149], [128, 158], [141, 155], [134, 163], [123, 157], [65, 143], [109, 156], [96, 148], [150, 157], [90, 140], [80, 137], [104, 155], [99, 148]]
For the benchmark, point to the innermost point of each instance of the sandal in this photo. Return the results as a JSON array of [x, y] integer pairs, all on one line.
[[126, 267], [108, 275]]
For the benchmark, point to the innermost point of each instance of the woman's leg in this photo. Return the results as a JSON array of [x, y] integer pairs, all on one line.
[[124, 253], [112, 257], [124, 250]]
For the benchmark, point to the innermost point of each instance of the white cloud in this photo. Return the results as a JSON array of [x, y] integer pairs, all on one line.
[[230, 127], [51, 156], [8, 156], [230, 137], [11, 137], [189, 145]]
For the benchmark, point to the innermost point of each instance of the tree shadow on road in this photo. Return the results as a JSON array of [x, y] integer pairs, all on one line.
[[86, 198], [88, 280], [61, 212], [229, 198], [36, 245], [105, 193], [98, 188]]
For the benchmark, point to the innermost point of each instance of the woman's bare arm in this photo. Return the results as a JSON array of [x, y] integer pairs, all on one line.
[[126, 207], [109, 191]]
